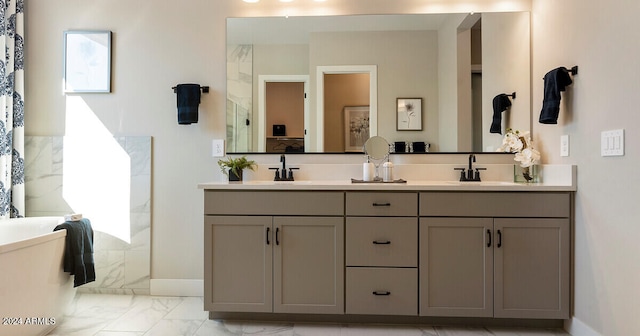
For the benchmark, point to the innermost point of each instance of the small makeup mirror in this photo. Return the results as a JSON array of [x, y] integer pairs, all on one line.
[[377, 150], [376, 147]]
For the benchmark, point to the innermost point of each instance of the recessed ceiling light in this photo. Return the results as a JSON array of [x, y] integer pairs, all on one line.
[[251, 1]]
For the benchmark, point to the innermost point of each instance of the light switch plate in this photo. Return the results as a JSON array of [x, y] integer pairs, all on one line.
[[564, 145], [217, 146], [612, 143]]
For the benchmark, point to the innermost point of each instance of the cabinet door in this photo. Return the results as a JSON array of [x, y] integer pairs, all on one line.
[[238, 264], [456, 267], [532, 268], [309, 265]]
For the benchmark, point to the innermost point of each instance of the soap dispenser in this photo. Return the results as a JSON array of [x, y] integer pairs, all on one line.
[[387, 171], [367, 170]]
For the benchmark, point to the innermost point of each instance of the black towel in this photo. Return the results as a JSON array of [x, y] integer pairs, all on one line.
[[555, 81], [78, 252], [188, 101], [500, 103]]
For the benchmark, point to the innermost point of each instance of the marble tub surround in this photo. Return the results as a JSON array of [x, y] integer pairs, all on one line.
[[122, 265], [103, 314]]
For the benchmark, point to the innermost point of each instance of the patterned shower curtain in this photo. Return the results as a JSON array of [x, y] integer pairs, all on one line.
[[12, 101]]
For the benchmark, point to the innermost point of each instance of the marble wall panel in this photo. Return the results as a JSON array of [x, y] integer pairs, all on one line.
[[121, 267]]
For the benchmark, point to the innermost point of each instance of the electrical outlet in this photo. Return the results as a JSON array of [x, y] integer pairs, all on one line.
[[612, 143], [217, 148], [564, 145]]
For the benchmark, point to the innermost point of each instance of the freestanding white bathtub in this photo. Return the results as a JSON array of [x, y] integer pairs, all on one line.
[[34, 289]]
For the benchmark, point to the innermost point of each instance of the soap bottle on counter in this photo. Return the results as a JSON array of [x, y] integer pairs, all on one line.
[[367, 170], [387, 171]]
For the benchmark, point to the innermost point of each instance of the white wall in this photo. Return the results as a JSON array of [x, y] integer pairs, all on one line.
[[505, 69], [448, 85], [406, 66], [603, 39], [156, 45]]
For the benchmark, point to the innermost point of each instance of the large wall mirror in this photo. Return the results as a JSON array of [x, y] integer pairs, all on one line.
[[327, 83]]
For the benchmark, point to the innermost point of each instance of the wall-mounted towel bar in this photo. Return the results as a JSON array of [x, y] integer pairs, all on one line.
[[513, 95], [574, 70], [204, 89]]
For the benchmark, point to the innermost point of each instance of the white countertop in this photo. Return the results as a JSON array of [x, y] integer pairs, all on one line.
[[408, 186], [438, 178]]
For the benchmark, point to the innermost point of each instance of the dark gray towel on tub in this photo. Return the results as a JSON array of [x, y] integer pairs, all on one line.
[[188, 96], [78, 252]]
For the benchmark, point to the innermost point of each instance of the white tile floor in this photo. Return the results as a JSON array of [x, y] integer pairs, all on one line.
[[128, 315]]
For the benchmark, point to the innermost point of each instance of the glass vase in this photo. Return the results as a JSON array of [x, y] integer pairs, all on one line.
[[526, 174]]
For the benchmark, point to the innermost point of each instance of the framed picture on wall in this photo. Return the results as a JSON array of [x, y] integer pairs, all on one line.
[[409, 114], [87, 61], [356, 127]]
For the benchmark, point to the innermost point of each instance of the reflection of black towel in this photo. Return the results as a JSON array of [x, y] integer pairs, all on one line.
[[78, 252], [500, 103], [188, 101], [419, 147], [555, 81]]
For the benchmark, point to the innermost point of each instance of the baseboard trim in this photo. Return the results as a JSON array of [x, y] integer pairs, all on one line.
[[575, 327], [177, 287]]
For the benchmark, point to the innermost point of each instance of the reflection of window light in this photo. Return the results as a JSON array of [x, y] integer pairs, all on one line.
[[96, 173]]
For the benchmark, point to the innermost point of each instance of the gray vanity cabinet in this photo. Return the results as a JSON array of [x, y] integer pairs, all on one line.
[[381, 253], [531, 268], [238, 264], [308, 265], [397, 254], [456, 267], [495, 254], [264, 254]]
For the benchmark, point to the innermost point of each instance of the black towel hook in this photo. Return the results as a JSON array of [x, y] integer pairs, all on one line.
[[574, 70], [513, 95], [204, 89]]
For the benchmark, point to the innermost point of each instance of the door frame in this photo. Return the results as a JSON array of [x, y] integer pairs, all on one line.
[[372, 70], [262, 103]]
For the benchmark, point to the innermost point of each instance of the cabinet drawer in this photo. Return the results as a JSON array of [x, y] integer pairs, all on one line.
[[385, 241], [382, 204], [382, 291], [495, 204], [312, 203]]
